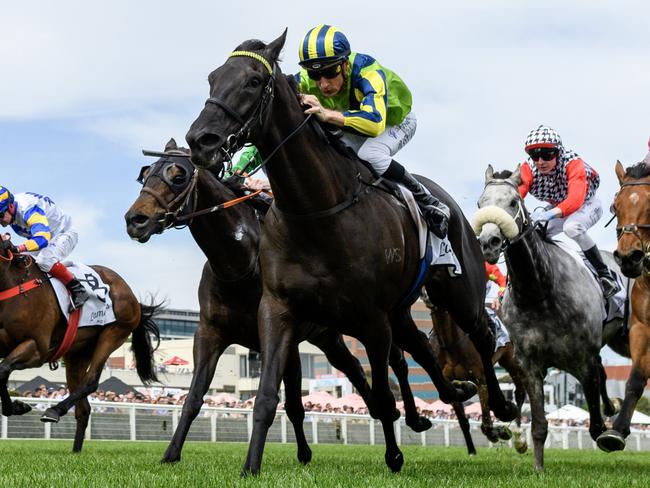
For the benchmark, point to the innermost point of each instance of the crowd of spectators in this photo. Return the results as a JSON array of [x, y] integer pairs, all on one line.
[[166, 398]]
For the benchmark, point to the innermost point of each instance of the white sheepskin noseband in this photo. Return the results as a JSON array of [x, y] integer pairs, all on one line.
[[495, 215]]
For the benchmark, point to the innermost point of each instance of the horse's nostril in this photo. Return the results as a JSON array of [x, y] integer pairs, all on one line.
[[138, 220]]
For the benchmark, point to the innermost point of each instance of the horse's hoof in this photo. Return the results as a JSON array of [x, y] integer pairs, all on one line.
[[304, 456], [464, 390], [617, 403], [504, 433], [521, 447], [420, 424], [170, 459], [20, 408], [50, 415], [246, 471], [472, 454], [394, 461], [611, 440], [507, 412]]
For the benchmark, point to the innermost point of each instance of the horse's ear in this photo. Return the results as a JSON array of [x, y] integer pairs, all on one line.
[[273, 49], [516, 175], [171, 145], [620, 171], [489, 174]]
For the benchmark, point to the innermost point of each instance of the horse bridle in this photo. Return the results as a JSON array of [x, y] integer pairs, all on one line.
[[183, 191], [522, 224], [236, 140], [634, 227]]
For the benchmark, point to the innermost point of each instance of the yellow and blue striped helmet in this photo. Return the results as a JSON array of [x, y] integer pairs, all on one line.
[[6, 199], [323, 46]]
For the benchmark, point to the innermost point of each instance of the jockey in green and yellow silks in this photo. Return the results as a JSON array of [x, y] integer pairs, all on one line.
[[370, 103]]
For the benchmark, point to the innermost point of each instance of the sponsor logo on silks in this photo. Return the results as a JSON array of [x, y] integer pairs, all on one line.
[[93, 282]]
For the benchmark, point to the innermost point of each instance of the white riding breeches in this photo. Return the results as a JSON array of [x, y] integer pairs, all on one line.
[[58, 249], [576, 225], [379, 151]]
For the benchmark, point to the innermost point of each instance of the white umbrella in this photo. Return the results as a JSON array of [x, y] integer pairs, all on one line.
[[640, 418], [569, 412]]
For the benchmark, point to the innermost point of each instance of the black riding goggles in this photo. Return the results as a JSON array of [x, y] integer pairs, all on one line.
[[328, 73], [545, 153]]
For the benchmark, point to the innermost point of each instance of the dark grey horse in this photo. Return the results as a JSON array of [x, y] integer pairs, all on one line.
[[552, 305]]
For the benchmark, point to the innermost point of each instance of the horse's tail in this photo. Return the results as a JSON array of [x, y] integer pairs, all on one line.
[[142, 345]]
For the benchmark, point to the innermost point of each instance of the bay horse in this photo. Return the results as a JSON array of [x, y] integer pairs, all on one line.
[[632, 209], [32, 327], [175, 193], [461, 361], [334, 250], [552, 304]]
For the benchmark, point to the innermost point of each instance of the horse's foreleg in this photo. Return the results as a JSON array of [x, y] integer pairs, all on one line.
[[614, 439], [377, 340], [109, 339], [465, 427], [75, 367], [399, 366], [591, 386], [487, 427], [609, 407], [483, 340], [275, 326], [82, 415], [539, 424], [25, 355], [509, 361], [208, 347], [293, 402]]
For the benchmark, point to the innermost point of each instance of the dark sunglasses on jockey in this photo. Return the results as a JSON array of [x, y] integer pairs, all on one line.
[[545, 153], [328, 73]]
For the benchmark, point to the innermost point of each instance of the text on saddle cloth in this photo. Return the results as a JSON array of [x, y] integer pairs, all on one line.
[[98, 310]]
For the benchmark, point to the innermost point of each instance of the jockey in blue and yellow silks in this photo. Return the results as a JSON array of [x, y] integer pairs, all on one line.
[[369, 102], [49, 233]]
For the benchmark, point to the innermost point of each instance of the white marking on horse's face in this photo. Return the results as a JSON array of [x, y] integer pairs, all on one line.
[[239, 233], [503, 196], [634, 198]]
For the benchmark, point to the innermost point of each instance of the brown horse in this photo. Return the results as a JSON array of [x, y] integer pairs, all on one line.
[[632, 209], [32, 327], [461, 361]]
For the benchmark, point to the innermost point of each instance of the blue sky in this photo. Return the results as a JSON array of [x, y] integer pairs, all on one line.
[[86, 86]]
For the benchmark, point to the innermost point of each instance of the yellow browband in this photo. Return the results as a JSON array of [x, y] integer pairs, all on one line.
[[254, 56]]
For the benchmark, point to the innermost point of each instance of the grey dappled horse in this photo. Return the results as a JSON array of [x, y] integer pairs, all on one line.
[[552, 305]]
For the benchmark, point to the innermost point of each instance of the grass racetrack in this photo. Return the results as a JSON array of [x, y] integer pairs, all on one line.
[[122, 464]]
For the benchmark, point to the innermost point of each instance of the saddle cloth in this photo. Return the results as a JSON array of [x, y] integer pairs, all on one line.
[[501, 335], [98, 310], [441, 252], [613, 307]]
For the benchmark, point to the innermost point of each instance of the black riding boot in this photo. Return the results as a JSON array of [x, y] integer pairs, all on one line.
[[434, 211], [78, 294], [606, 276]]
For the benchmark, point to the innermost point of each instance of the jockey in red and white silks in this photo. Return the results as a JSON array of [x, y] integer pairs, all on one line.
[[561, 178]]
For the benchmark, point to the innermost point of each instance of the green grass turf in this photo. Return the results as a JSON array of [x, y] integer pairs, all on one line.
[[109, 463]]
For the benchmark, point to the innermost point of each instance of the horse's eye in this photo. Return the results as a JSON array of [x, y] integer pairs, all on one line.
[[254, 82], [513, 203]]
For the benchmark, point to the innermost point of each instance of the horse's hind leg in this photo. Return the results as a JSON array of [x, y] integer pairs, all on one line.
[[407, 336], [539, 424], [465, 427], [208, 347], [487, 427], [293, 402], [339, 356], [400, 367], [112, 337], [25, 355]]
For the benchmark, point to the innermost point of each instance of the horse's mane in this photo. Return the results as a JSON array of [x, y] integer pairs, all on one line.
[[638, 171]]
